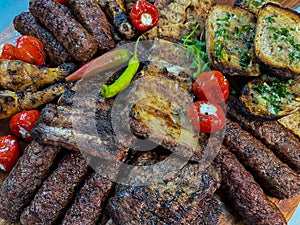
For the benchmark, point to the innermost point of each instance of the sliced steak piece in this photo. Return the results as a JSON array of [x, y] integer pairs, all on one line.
[[91, 16], [239, 188], [26, 24], [278, 138], [71, 34], [57, 191], [25, 178], [273, 175], [177, 201]]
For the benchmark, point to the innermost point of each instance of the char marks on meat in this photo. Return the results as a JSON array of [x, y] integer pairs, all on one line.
[[57, 191], [181, 200], [71, 34], [239, 188], [26, 24], [278, 138], [25, 178], [91, 16], [273, 175]]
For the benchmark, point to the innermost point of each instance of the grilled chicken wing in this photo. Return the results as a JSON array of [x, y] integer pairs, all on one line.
[[12, 102], [16, 75]]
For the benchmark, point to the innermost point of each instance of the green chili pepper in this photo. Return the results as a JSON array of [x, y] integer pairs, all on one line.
[[124, 80]]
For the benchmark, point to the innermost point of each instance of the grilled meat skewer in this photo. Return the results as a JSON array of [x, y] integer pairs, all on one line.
[[16, 75], [25, 178], [91, 16], [273, 175], [239, 187], [70, 33], [26, 24], [12, 102]]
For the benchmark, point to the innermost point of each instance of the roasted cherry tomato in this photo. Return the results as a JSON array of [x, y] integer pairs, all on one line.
[[62, 2], [211, 86], [206, 117], [8, 52], [22, 123], [9, 152], [144, 15], [30, 49]]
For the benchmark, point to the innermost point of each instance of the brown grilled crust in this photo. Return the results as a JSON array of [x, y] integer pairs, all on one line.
[[239, 187], [268, 65], [278, 138], [274, 176], [57, 191], [70, 33], [25, 179], [245, 5], [26, 24], [91, 16]]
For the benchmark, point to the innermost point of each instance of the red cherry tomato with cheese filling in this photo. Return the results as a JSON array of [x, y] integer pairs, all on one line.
[[211, 86], [9, 152], [206, 117], [22, 123]]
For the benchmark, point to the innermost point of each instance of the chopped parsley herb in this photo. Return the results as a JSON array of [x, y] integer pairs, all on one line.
[[270, 19], [219, 49], [244, 61]]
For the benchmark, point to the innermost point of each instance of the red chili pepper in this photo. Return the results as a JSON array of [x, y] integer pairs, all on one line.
[[22, 123], [9, 152], [144, 15], [8, 52], [62, 2], [30, 49]]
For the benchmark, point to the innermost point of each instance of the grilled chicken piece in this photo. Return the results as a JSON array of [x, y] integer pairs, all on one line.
[[12, 102], [16, 75]]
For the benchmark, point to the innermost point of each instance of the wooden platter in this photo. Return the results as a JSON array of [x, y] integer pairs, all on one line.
[[287, 206]]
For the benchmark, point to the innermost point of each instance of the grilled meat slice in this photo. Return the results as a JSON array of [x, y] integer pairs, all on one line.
[[26, 24], [57, 190], [239, 187], [71, 34], [24, 180], [91, 16], [16, 75], [116, 11], [278, 138], [176, 201], [12, 102], [273, 175]]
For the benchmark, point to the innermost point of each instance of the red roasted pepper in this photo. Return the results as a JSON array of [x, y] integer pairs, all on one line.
[[30, 49], [144, 15], [8, 52], [9, 152], [22, 123], [62, 2]]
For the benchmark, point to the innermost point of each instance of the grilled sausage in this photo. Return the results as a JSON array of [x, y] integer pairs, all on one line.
[[278, 138], [239, 187], [70, 33], [273, 175], [26, 24], [25, 179], [91, 16], [56, 192]]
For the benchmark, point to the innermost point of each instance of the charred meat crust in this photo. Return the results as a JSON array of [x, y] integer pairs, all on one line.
[[91, 16], [26, 24], [70, 33], [25, 179], [278, 138], [57, 191], [275, 177], [239, 187]]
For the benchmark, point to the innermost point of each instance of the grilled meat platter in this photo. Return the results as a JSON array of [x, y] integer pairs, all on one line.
[[122, 135]]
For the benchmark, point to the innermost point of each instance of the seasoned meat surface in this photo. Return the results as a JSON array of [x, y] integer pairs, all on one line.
[[70, 33], [25, 178], [273, 175], [239, 188]]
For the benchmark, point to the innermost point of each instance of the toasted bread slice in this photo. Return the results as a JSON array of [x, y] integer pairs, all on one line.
[[292, 122], [277, 40], [253, 5], [230, 33], [269, 97]]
